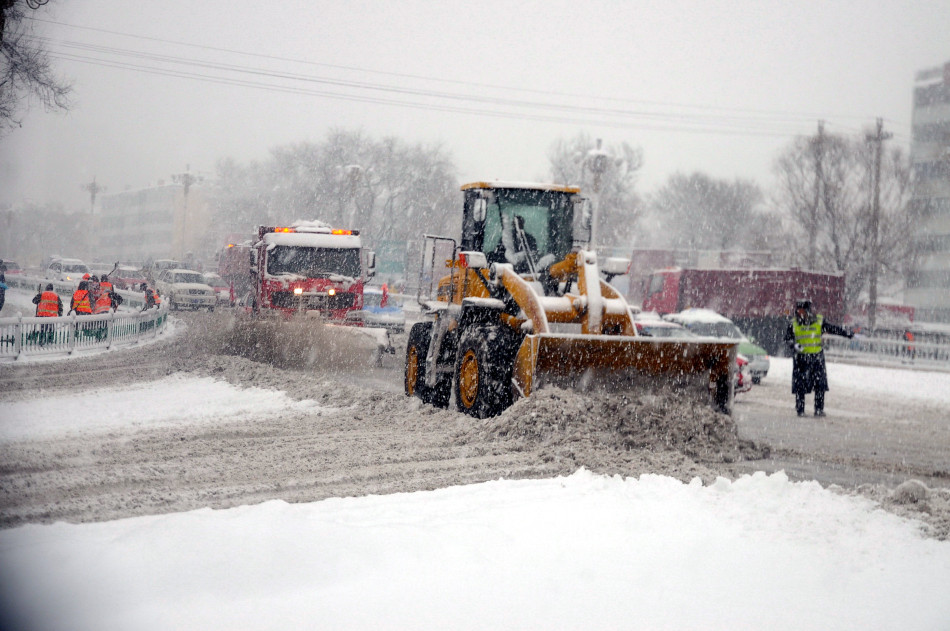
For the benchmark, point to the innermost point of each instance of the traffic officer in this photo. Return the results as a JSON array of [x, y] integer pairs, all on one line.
[[803, 339]]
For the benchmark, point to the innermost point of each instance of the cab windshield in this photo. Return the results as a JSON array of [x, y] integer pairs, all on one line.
[[313, 262], [546, 218]]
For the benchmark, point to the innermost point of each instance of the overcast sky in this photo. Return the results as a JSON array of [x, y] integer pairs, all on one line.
[[719, 87]]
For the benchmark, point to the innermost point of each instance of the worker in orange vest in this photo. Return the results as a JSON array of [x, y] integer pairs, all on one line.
[[107, 298], [48, 305], [81, 304]]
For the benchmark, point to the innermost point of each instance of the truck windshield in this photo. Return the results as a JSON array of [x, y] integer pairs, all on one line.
[[313, 262]]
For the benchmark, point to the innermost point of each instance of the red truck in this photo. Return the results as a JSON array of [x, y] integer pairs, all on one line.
[[309, 266], [759, 301]]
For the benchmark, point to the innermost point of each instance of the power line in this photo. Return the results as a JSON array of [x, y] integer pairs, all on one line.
[[766, 113], [748, 123]]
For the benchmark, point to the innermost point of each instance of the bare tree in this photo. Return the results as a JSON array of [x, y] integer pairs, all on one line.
[[621, 207], [843, 222], [25, 71], [388, 189], [698, 212]]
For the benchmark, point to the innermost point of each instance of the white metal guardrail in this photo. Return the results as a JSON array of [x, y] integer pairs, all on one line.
[[46, 336], [924, 354]]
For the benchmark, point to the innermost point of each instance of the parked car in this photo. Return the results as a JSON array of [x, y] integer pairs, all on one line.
[[66, 270], [158, 266], [743, 380], [707, 323], [185, 288], [98, 269], [128, 277], [10, 267], [652, 325], [379, 309], [221, 288]]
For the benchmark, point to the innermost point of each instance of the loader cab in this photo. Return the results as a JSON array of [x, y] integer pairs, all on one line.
[[544, 213]]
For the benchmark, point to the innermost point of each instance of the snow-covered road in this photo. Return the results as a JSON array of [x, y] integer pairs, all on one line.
[[402, 515]]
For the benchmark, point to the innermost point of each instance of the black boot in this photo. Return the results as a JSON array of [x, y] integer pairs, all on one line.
[[819, 403], [800, 404]]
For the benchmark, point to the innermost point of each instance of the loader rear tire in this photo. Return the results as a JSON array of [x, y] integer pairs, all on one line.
[[483, 370]]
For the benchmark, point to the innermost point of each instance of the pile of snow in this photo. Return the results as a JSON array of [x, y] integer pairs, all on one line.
[[582, 552]]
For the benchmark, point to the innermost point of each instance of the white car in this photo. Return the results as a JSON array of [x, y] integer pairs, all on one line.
[[708, 323], [185, 288], [67, 270]]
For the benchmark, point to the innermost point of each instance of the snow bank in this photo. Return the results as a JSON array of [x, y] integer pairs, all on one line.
[[583, 552], [178, 399]]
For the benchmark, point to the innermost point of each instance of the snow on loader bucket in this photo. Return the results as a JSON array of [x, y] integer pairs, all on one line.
[[622, 363]]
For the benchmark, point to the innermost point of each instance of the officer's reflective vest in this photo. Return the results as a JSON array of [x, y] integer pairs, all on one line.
[[81, 302], [808, 335], [48, 306]]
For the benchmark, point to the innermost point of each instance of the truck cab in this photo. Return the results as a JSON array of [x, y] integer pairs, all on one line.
[[309, 266]]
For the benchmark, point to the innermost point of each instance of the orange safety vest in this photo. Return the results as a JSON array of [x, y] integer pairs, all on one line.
[[81, 302], [158, 300], [49, 305], [103, 303]]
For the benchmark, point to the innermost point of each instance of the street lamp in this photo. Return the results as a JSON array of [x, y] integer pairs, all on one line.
[[596, 162]]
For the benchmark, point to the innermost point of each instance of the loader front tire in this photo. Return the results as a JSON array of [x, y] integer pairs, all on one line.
[[416, 350], [482, 377]]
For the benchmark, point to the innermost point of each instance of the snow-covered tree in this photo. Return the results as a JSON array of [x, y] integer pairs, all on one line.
[[698, 212]]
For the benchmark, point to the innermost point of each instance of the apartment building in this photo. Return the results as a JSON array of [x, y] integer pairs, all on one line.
[[928, 286]]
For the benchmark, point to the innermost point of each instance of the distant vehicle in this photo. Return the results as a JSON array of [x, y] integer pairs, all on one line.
[[160, 265], [222, 290], [379, 309], [185, 288], [707, 323], [128, 277], [67, 270], [98, 269], [758, 300], [743, 382], [650, 324], [10, 267]]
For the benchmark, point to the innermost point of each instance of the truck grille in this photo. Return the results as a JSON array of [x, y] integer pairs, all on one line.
[[286, 300], [197, 292]]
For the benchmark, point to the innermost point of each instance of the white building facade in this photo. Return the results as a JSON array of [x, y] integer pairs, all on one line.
[[928, 286]]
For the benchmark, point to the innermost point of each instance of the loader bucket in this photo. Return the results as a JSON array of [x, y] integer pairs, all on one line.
[[704, 368]]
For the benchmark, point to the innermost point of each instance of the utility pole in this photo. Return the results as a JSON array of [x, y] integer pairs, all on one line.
[[186, 179], [93, 189], [878, 139], [596, 161], [818, 148]]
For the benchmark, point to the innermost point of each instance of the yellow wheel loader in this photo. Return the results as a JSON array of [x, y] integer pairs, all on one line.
[[521, 303]]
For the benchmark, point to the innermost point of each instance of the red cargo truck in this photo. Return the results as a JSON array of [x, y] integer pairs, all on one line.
[[759, 301]]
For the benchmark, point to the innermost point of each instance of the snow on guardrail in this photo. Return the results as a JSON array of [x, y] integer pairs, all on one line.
[[33, 335], [923, 354]]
